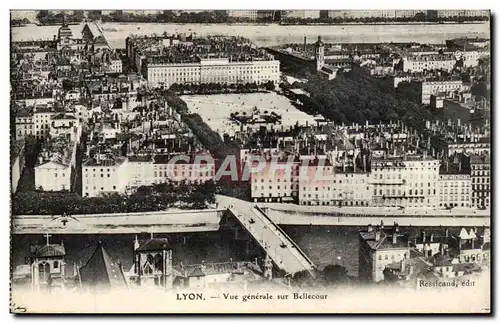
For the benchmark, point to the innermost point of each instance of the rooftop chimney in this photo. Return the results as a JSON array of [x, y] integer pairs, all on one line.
[[422, 236], [370, 228], [432, 237], [394, 238], [377, 235]]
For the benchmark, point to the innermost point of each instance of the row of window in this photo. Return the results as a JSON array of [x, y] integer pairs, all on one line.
[[452, 198], [410, 192]]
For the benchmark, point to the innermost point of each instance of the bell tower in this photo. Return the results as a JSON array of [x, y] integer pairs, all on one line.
[[319, 54], [153, 263]]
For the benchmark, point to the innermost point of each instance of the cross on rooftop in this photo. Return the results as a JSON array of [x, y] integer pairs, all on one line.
[[47, 236]]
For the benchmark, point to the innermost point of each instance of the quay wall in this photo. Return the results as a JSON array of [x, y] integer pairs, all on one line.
[[208, 220]]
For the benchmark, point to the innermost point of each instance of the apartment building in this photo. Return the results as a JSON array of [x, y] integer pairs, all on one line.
[[67, 125], [378, 248], [25, 125], [278, 181], [421, 63], [405, 182], [455, 190], [427, 88], [104, 173], [481, 183]]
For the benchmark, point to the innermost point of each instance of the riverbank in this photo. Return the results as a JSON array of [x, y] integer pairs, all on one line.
[[284, 218], [151, 222], [384, 23], [208, 220]]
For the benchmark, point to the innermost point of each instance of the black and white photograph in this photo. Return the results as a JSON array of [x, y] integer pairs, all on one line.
[[250, 161]]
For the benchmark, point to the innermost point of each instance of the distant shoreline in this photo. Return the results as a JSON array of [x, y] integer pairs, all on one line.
[[281, 24]]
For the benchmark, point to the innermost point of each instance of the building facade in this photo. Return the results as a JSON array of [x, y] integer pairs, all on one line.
[[104, 174], [455, 190], [220, 71], [405, 183], [421, 63], [480, 177], [378, 248]]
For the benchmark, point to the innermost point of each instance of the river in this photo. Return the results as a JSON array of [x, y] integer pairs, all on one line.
[[269, 35], [324, 245]]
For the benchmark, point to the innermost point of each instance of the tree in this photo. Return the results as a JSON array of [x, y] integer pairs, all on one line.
[[94, 15], [269, 85], [335, 274], [302, 278]]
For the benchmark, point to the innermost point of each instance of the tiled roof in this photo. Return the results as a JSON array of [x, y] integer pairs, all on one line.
[[63, 116], [50, 250], [108, 161], [385, 240]]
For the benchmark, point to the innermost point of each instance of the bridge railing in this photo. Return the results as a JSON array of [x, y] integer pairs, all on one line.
[[310, 263]]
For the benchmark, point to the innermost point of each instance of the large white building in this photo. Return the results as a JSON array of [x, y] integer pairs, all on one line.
[[104, 174], [435, 87], [53, 171], [220, 71], [420, 63], [300, 14], [108, 173], [354, 14], [408, 13], [246, 14]]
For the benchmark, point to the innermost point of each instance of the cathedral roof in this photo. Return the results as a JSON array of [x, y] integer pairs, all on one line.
[[100, 270]]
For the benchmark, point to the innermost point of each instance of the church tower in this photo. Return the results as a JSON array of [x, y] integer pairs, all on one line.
[[153, 263], [47, 266], [319, 54]]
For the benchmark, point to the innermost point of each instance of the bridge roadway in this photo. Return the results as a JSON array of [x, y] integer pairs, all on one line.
[[277, 244]]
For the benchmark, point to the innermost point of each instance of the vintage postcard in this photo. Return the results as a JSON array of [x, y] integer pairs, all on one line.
[[250, 161]]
